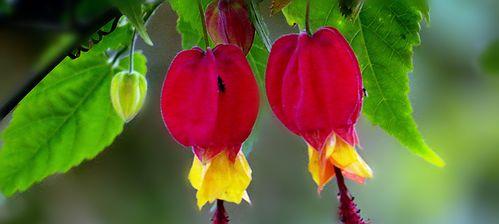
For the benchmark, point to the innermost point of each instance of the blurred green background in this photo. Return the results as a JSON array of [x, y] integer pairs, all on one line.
[[142, 177]]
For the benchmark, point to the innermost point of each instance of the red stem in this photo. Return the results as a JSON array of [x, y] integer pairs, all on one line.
[[220, 216]]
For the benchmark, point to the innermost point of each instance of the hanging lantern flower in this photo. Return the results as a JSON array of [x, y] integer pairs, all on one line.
[[314, 87], [210, 103], [228, 22]]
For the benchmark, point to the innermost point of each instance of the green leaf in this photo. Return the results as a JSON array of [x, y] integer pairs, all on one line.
[[189, 22], [383, 37], [64, 120], [489, 60], [257, 58], [424, 8], [132, 9]]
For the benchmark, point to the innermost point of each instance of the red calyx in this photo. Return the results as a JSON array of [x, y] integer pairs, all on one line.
[[314, 85], [210, 100], [228, 22]]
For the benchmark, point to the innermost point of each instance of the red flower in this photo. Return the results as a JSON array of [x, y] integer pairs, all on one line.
[[210, 103], [314, 86], [228, 22]]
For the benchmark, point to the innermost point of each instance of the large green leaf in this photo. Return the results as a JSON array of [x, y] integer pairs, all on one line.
[[67, 118], [383, 37], [64, 120]]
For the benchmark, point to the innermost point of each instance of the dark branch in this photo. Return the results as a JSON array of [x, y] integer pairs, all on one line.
[[86, 32]]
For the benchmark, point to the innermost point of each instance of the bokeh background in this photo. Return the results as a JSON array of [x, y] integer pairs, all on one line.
[[142, 177]]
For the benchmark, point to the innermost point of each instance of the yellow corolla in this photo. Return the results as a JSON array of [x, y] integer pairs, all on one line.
[[337, 153], [221, 178]]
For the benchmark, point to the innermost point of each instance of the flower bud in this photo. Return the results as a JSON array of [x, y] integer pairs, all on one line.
[[228, 22], [128, 91]]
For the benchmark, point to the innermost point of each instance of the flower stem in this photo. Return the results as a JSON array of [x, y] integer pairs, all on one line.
[[132, 51], [147, 17], [201, 16], [307, 19], [220, 216], [347, 211]]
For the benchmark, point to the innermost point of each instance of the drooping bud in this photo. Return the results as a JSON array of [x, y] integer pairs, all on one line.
[[228, 22], [314, 87], [128, 92], [210, 103]]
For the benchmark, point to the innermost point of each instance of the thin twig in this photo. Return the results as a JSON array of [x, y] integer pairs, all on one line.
[[307, 18], [203, 22], [132, 51]]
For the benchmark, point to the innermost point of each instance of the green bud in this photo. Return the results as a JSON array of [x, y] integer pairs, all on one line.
[[128, 91]]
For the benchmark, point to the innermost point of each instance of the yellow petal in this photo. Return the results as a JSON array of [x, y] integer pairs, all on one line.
[[359, 168], [221, 179], [330, 146], [322, 171], [347, 159], [197, 173], [343, 154]]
